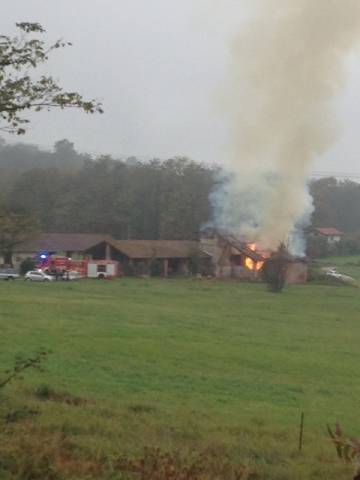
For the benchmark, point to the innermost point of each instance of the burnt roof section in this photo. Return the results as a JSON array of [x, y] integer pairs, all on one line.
[[244, 249], [138, 249], [62, 242], [329, 231]]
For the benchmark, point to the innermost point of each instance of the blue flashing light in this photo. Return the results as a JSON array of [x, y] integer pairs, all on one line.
[[43, 257]]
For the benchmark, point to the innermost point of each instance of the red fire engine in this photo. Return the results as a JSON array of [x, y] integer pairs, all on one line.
[[60, 265], [87, 268]]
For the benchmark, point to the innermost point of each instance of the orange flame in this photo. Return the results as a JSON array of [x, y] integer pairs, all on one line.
[[249, 263]]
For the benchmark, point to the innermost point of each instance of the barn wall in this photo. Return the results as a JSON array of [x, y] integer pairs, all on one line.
[[297, 273]]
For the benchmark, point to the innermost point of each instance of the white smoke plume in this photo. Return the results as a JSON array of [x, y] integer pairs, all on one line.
[[286, 68]]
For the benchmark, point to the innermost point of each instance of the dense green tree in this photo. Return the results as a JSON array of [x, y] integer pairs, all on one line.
[[134, 199], [15, 228], [41, 192], [187, 186], [336, 204], [128, 199], [20, 157]]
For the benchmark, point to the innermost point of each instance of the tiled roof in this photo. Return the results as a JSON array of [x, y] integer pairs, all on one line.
[[62, 242], [157, 248], [330, 232]]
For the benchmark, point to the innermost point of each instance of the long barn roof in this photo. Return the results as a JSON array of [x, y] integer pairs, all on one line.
[[62, 242], [156, 248], [329, 232]]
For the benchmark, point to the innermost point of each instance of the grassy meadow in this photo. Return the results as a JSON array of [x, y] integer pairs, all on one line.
[[186, 366], [348, 265]]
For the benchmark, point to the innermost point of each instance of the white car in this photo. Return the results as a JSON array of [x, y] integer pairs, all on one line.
[[38, 276], [8, 274]]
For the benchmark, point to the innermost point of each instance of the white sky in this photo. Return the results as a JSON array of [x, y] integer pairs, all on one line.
[[158, 66]]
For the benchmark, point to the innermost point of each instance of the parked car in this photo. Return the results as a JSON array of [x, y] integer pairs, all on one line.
[[38, 276], [8, 274]]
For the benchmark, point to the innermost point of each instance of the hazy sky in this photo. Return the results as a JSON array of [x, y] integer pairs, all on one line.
[[158, 67]]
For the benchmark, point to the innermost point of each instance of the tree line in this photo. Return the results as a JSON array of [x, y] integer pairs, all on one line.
[[336, 204], [125, 198], [67, 191]]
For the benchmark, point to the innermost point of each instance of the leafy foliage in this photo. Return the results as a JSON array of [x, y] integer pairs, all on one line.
[[15, 228], [128, 199], [336, 204], [26, 265], [131, 199], [274, 270], [317, 247], [19, 91]]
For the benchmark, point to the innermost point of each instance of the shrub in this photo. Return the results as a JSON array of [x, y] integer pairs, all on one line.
[[350, 245], [44, 392], [314, 273], [317, 247], [274, 270], [26, 265]]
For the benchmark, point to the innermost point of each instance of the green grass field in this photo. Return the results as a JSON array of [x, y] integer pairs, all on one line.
[[191, 365], [349, 265]]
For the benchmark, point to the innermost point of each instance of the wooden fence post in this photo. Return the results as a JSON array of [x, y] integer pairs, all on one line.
[[301, 434]]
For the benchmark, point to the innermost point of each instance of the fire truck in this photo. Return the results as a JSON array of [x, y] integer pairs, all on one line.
[[67, 268], [61, 266]]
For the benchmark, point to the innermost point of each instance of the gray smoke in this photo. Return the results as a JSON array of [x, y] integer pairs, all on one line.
[[286, 68]]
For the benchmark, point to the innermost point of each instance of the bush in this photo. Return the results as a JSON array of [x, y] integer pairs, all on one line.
[[314, 273], [43, 392], [274, 270], [317, 247], [26, 265], [350, 245]]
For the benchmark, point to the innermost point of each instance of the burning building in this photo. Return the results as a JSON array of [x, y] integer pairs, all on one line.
[[232, 258]]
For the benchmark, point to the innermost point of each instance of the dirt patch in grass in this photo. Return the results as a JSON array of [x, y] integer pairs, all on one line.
[[46, 393], [141, 409]]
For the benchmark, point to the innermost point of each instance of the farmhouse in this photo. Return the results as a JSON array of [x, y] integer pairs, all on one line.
[[170, 256], [72, 245], [232, 258], [331, 234], [221, 255]]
